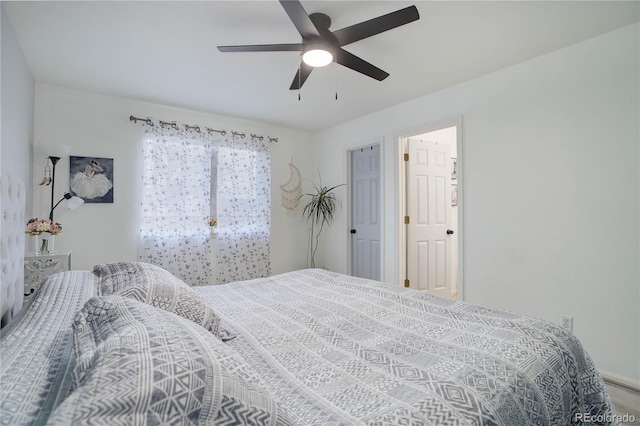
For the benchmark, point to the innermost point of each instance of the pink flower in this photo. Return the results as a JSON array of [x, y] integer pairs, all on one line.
[[37, 226], [32, 226], [55, 228]]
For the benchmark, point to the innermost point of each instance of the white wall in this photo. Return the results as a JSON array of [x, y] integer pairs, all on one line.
[[96, 125], [17, 108], [550, 184]]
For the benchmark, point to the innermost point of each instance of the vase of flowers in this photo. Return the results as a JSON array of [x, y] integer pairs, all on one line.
[[43, 232]]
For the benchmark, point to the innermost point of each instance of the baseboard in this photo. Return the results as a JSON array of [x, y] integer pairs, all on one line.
[[625, 396], [623, 382]]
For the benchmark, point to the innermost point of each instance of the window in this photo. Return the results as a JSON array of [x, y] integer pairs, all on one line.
[[189, 178]]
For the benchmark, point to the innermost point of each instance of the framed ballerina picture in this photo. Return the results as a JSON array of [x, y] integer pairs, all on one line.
[[91, 179]]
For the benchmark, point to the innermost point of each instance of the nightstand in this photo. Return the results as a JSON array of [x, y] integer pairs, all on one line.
[[37, 267]]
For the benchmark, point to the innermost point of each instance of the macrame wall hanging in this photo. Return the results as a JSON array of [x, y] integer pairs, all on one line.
[[291, 191]]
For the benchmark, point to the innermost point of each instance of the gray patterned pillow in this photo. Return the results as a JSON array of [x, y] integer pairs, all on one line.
[[178, 300], [113, 277], [158, 287], [139, 365]]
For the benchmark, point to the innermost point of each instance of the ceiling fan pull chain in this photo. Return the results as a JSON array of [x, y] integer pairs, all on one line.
[[335, 69], [299, 72]]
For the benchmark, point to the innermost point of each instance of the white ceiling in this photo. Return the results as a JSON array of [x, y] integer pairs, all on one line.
[[165, 52]]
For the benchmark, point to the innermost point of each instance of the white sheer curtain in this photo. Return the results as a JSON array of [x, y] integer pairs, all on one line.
[[176, 202], [244, 209], [190, 177]]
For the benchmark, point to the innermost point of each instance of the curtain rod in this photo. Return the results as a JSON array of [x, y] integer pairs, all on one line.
[[149, 122]]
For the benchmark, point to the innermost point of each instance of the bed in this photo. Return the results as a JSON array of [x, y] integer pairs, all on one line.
[[129, 343]]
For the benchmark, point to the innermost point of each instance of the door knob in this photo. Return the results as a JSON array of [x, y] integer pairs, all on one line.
[[449, 231], [353, 231]]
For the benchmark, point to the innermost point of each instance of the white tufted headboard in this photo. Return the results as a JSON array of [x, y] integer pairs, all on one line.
[[12, 204]]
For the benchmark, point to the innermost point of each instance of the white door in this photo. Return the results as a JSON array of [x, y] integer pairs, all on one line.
[[429, 228], [365, 212]]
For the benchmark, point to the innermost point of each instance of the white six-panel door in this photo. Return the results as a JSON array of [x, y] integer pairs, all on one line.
[[365, 212], [429, 210]]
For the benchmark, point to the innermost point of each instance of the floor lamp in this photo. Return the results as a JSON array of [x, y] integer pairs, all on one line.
[[74, 202]]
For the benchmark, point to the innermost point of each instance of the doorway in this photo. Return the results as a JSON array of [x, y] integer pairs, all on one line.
[[430, 191]]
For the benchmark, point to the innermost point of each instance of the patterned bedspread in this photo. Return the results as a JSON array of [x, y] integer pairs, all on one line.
[[36, 350], [336, 350], [342, 350]]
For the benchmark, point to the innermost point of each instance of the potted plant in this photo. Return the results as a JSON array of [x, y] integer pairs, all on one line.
[[320, 211]]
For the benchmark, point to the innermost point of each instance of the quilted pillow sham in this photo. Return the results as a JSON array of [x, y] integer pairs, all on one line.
[[139, 365], [176, 299], [158, 287], [113, 277]]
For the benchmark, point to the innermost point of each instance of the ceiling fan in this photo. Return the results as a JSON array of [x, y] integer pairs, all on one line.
[[320, 46]]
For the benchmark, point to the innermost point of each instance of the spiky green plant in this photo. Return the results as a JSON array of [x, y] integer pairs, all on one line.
[[320, 210]]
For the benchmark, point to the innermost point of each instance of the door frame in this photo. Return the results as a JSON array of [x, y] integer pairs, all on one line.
[[401, 203], [347, 149]]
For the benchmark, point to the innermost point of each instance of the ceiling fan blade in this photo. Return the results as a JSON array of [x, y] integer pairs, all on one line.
[[376, 25], [301, 76], [350, 60], [294, 47], [300, 18]]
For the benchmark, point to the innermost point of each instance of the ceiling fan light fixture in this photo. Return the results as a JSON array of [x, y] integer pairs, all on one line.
[[320, 46], [317, 57]]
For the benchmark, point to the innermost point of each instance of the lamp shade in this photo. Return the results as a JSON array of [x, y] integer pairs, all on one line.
[[317, 55], [74, 202]]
